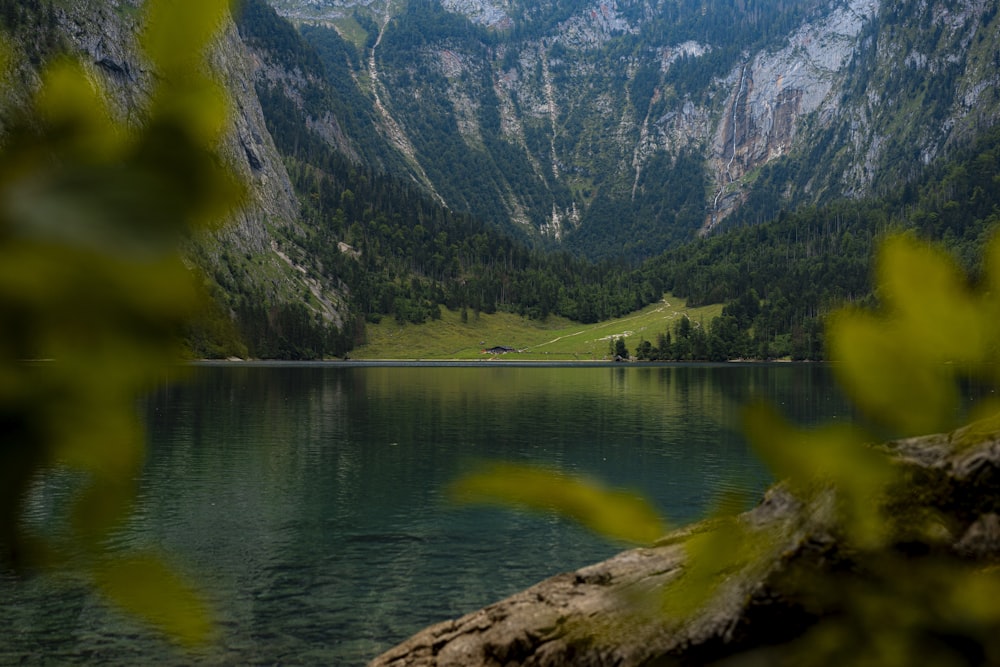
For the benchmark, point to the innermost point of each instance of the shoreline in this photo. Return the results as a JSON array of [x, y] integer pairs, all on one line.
[[475, 363]]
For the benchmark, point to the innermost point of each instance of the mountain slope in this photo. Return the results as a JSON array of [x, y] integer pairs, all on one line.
[[628, 127], [394, 246], [249, 265], [367, 146]]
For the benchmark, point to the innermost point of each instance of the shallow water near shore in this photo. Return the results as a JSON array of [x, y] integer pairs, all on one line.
[[308, 502]]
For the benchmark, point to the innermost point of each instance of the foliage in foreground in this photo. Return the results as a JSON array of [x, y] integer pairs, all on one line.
[[92, 214], [901, 366]]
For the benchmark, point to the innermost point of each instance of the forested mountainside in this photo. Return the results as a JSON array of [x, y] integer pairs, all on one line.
[[352, 216], [625, 127], [265, 303], [328, 237], [779, 278], [397, 248]]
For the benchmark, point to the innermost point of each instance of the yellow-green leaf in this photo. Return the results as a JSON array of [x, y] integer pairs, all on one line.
[[992, 266], [101, 507], [613, 513], [5, 59], [990, 309], [200, 107], [727, 547], [832, 456], [973, 597], [143, 585], [177, 39], [179, 32], [888, 377], [926, 291], [70, 103]]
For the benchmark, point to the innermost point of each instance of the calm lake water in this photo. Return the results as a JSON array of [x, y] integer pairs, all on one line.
[[309, 503]]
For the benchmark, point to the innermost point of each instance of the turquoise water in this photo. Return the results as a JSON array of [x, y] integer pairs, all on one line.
[[308, 502]]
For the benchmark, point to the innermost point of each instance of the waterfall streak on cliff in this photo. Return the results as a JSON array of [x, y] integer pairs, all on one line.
[[736, 105], [732, 158], [550, 100]]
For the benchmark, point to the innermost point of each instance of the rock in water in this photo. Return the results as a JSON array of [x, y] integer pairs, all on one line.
[[612, 613]]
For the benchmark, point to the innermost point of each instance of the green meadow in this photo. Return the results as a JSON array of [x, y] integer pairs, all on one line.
[[552, 339]]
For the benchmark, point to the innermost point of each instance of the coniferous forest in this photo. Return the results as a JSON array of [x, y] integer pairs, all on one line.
[[777, 271]]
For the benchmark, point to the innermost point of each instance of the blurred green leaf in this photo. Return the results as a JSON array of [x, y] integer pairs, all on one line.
[[939, 318], [990, 308], [972, 599], [726, 547], [77, 114], [93, 213], [991, 264], [833, 456], [984, 422], [176, 40], [178, 33], [901, 612], [100, 508], [145, 586], [887, 377], [616, 514]]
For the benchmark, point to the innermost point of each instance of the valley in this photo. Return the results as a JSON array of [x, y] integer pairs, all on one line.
[[792, 255], [529, 162]]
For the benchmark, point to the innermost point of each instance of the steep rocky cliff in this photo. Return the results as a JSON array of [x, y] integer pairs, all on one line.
[[252, 257], [774, 92], [626, 126]]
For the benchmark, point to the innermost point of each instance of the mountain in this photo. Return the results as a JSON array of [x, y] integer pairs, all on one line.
[[395, 244], [791, 251], [481, 157], [625, 127], [328, 237]]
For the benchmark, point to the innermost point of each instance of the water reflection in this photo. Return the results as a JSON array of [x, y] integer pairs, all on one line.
[[309, 500]]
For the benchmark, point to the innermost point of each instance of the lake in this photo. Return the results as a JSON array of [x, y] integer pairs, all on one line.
[[309, 501]]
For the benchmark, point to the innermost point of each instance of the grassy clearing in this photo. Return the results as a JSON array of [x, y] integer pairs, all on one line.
[[351, 31], [555, 339]]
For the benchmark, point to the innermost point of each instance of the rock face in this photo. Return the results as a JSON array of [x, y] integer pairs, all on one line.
[[582, 120], [611, 613], [252, 253], [252, 154], [773, 93]]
